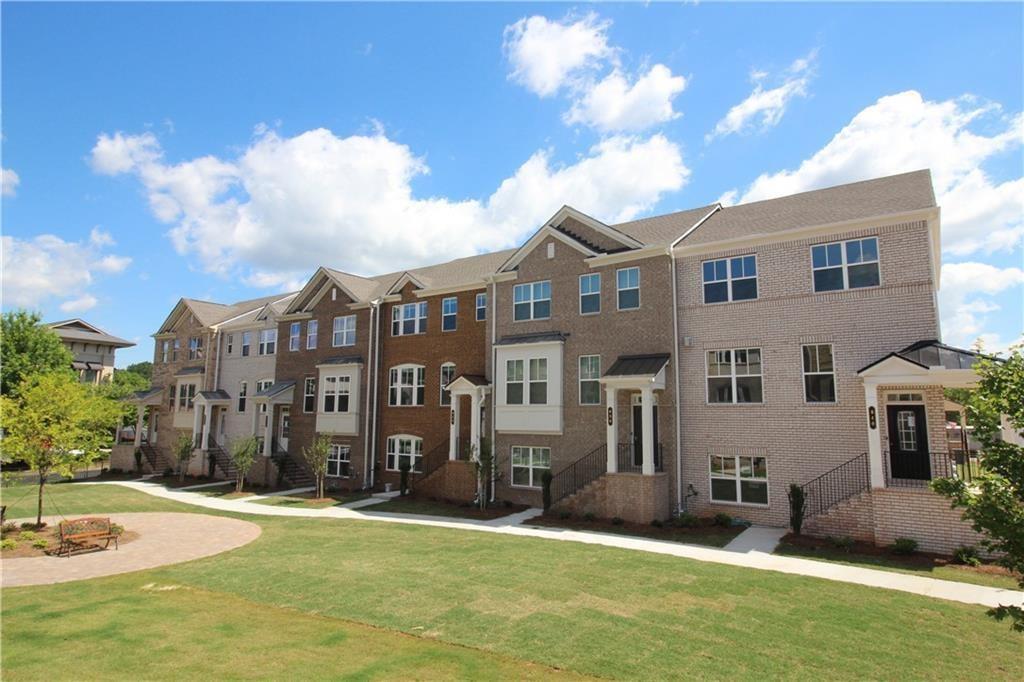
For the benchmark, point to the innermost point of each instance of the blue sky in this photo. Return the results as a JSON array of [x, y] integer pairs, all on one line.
[[222, 151]]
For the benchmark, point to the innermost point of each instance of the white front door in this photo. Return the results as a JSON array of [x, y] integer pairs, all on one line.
[[284, 427]]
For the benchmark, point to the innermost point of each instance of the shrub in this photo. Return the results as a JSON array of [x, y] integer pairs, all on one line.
[[564, 515], [8, 543], [403, 479], [723, 519], [797, 507], [844, 542], [657, 523], [41, 543], [685, 520], [589, 516], [28, 525], [967, 555], [9, 527], [27, 536], [618, 520], [546, 491], [904, 546]]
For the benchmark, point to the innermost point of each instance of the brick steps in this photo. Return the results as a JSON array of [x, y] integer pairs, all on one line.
[[853, 517]]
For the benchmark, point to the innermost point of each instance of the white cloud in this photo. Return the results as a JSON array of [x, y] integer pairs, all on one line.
[[288, 204], [548, 55], [613, 104], [46, 267], [763, 108], [9, 182], [905, 132], [965, 302]]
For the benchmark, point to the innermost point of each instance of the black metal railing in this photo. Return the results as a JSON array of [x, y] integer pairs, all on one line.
[[835, 485], [629, 458], [433, 460], [223, 461], [584, 470], [915, 471]]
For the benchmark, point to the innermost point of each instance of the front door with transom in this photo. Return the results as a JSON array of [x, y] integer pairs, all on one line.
[[908, 442], [284, 427], [637, 430]]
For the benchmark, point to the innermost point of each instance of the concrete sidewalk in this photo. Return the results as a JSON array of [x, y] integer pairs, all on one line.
[[516, 524]]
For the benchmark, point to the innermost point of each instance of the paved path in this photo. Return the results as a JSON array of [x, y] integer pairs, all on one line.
[[756, 539], [164, 538], [516, 524]]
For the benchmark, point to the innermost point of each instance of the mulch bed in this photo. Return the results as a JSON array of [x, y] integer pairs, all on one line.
[[669, 532], [495, 510], [51, 534]]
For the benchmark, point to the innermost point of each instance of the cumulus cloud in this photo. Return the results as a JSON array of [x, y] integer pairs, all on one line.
[[764, 108], [574, 56], [46, 268], [965, 302], [9, 182], [905, 132], [287, 204]]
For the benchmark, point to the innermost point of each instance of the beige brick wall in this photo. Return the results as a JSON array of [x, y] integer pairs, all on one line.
[[922, 515], [632, 497], [853, 518]]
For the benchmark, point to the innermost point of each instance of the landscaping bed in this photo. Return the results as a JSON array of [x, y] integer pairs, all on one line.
[[705, 532], [173, 481], [869, 555], [30, 541], [306, 500], [414, 504]]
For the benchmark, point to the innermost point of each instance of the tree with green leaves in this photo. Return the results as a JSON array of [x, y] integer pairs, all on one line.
[[316, 456], [243, 454], [993, 501], [28, 347], [143, 369], [120, 387], [483, 460], [184, 450], [55, 425]]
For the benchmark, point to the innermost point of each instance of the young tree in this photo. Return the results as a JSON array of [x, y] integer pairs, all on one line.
[[243, 454], [55, 425], [121, 386], [27, 347], [184, 450], [994, 500], [316, 459], [483, 459]]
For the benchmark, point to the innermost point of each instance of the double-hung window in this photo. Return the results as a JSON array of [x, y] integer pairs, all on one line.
[[246, 343], [175, 347], [819, 373], [481, 307], [409, 318], [730, 279], [590, 372], [344, 331], [739, 479], [532, 301], [627, 282], [590, 294], [195, 348], [529, 465], [734, 376], [186, 396], [294, 335], [449, 313], [311, 330], [447, 377], [165, 351], [851, 264], [231, 343], [513, 382], [336, 393], [405, 450], [338, 461], [538, 381], [243, 392], [268, 341], [309, 395], [406, 387]]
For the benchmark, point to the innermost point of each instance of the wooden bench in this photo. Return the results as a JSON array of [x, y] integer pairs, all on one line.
[[78, 534]]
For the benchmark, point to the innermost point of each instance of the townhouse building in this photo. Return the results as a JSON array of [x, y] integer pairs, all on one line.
[[92, 349]]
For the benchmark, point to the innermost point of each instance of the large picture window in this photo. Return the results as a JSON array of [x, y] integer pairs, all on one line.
[[338, 460], [406, 386], [739, 479], [730, 279], [590, 294], [532, 301], [590, 372], [851, 264], [344, 331], [405, 450], [529, 465], [734, 376], [819, 373], [409, 318], [336, 393], [449, 313], [186, 396], [447, 377]]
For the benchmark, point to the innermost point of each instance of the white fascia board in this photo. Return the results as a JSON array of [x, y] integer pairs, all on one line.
[[626, 256], [594, 224]]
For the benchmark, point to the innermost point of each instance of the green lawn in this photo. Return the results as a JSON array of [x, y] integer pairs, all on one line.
[[306, 500], [593, 610], [70, 499]]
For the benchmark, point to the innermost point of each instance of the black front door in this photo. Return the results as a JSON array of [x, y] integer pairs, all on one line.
[[908, 442], [638, 434]]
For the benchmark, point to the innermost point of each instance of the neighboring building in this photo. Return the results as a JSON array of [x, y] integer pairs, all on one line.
[[93, 349]]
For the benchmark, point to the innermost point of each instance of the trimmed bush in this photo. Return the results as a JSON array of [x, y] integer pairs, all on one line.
[[904, 546], [844, 542], [685, 520], [657, 523], [27, 536], [589, 516], [722, 519], [618, 520], [967, 555], [41, 543], [564, 515]]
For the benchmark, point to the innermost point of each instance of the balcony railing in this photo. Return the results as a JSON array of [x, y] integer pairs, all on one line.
[[915, 472], [629, 459]]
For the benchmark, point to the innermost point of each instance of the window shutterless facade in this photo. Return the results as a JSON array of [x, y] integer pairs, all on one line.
[[336, 391], [268, 341], [404, 450], [338, 460], [294, 335], [447, 377], [590, 294], [851, 264], [246, 343], [481, 307], [514, 382], [538, 381], [175, 347], [449, 314], [739, 479], [186, 396], [312, 326], [409, 318], [529, 465], [243, 392], [344, 331], [734, 376], [819, 373], [406, 385], [531, 301], [590, 372], [309, 395], [730, 279], [165, 351], [195, 348], [627, 287]]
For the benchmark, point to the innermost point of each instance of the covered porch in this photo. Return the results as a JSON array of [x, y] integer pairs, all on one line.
[[634, 445], [273, 405], [475, 389], [210, 409]]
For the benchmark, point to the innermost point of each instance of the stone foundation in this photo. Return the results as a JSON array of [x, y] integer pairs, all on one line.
[[632, 497]]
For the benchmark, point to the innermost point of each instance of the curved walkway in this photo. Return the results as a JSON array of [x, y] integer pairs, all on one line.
[[164, 538], [513, 525]]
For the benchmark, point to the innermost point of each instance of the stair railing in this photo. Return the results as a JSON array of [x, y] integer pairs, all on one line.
[[837, 484], [584, 470], [433, 460]]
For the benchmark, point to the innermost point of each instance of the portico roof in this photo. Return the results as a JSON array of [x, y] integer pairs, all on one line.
[[638, 365], [468, 382], [188, 371], [218, 396], [153, 396], [924, 362], [276, 392], [541, 337]]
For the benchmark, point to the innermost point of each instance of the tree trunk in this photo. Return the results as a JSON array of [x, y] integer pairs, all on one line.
[[239, 479], [39, 508], [320, 486]]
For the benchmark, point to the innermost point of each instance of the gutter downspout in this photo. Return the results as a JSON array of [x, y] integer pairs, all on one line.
[[366, 421], [675, 356], [493, 305], [376, 380]]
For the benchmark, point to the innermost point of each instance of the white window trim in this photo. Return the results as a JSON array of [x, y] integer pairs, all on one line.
[[294, 336], [804, 374], [335, 332], [415, 387], [532, 301], [579, 381], [396, 438], [229, 344], [398, 311], [530, 381], [311, 341], [306, 394], [481, 307], [453, 315], [512, 467], [844, 266], [440, 375], [183, 393], [522, 382], [337, 449], [600, 283], [246, 345], [339, 380], [639, 295], [243, 392], [264, 341], [737, 479], [733, 375], [729, 279]]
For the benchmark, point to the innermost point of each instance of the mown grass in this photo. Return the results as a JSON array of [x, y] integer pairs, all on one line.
[[76, 499], [594, 610]]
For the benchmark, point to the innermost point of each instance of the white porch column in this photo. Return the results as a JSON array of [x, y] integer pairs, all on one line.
[[140, 412], [268, 433], [612, 427], [647, 420], [150, 430], [255, 416], [453, 427], [474, 424], [207, 418], [874, 420], [197, 417]]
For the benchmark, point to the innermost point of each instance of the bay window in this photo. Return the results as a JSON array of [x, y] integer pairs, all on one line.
[[336, 391]]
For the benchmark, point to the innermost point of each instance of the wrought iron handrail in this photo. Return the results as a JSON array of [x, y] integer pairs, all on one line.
[[962, 464], [584, 470], [433, 460], [837, 484], [626, 463]]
